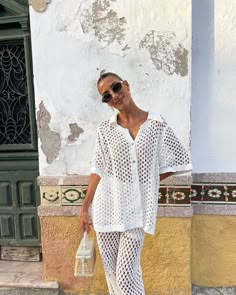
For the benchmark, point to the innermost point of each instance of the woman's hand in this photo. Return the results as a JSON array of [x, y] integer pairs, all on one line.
[[85, 220]]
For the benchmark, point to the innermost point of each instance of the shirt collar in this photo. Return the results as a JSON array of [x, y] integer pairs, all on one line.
[[151, 116], [113, 119]]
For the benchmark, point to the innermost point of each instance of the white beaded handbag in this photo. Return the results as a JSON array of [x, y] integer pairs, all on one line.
[[85, 257]]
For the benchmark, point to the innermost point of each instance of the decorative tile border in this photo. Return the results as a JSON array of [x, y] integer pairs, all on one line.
[[50, 195], [62, 195], [174, 195], [168, 195], [213, 193], [73, 195], [70, 191]]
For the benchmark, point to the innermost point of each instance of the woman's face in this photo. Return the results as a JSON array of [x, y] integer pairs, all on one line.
[[119, 100]]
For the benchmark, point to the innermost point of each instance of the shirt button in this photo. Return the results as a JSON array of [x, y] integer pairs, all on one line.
[[134, 161], [132, 143]]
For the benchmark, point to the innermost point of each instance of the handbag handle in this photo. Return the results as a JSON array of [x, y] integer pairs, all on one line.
[[85, 239]]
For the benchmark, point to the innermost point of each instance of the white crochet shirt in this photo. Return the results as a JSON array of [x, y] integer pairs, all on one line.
[[127, 194]]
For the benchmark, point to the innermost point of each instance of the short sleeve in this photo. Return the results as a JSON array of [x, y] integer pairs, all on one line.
[[173, 157], [98, 159]]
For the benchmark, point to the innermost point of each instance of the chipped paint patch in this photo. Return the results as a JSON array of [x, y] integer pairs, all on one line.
[[50, 140], [104, 22], [75, 132], [166, 53]]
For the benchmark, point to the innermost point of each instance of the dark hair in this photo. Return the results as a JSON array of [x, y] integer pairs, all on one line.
[[103, 76]]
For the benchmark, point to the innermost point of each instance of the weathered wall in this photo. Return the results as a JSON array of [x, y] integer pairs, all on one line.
[[213, 86], [165, 257], [213, 250], [148, 44]]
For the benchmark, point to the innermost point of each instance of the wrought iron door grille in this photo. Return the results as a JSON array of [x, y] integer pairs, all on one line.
[[14, 107]]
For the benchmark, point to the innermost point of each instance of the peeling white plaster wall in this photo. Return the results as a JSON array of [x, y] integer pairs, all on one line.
[[213, 86], [146, 42]]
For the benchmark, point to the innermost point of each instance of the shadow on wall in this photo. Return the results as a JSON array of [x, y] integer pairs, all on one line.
[[202, 72]]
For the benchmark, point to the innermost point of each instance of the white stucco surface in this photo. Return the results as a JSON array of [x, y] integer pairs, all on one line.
[[214, 80], [147, 43]]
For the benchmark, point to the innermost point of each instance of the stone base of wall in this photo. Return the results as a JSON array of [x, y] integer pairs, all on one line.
[[213, 291]]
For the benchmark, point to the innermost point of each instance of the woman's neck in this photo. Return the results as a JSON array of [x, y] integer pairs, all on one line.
[[130, 114]]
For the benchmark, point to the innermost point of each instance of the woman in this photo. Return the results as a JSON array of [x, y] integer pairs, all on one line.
[[134, 150]]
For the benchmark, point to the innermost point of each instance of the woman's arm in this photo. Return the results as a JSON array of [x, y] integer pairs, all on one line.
[[84, 215], [165, 175]]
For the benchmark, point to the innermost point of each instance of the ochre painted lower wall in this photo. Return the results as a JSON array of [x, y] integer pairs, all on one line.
[[214, 250], [165, 257]]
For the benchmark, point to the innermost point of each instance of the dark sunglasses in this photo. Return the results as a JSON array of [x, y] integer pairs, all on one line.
[[115, 88]]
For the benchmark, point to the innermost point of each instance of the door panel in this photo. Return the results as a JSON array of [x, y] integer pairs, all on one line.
[[7, 226], [28, 227], [5, 192], [26, 194], [19, 224]]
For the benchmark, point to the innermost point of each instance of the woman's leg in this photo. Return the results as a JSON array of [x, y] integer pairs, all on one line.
[[108, 244], [128, 270]]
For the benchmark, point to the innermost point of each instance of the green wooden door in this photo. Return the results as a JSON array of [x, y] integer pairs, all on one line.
[[19, 193], [18, 203]]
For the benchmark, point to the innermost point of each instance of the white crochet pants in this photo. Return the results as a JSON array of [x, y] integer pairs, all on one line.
[[120, 252]]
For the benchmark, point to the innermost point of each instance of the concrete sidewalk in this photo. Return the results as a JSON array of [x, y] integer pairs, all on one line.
[[25, 278]]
